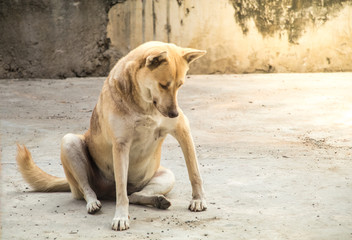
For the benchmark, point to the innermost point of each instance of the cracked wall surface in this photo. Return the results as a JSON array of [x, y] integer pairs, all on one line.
[[53, 39], [58, 39], [243, 36]]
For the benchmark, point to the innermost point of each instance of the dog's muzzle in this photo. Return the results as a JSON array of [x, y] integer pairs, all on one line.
[[173, 113]]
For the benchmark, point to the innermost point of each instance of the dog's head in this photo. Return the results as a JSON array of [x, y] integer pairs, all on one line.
[[163, 73]]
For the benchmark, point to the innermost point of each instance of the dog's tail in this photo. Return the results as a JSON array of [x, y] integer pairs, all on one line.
[[38, 179]]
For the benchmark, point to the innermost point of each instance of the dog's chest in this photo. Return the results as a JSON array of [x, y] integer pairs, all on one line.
[[149, 129]]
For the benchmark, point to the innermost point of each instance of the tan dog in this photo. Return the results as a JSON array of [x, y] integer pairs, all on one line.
[[120, 153]]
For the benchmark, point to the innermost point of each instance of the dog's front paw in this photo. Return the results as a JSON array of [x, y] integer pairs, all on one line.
[[93, 206], [198, 205], [120, 224]]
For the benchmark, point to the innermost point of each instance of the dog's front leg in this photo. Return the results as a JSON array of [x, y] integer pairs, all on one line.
[[183, 135], [121, 161]]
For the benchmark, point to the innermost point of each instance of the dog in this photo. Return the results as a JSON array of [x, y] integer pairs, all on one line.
[[119, 155]]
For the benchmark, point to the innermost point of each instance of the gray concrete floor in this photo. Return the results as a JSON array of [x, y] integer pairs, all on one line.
[[275, 152]]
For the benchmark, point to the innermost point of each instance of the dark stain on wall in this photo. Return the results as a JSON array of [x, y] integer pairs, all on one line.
[[290, 16], [54, 39]]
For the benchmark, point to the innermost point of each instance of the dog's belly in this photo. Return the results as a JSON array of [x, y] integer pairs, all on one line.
[[145, 156]]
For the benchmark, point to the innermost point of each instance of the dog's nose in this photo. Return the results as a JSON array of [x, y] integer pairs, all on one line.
[[173, 113]]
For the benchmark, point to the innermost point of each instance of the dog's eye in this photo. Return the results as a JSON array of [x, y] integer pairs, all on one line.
[[163, 86]]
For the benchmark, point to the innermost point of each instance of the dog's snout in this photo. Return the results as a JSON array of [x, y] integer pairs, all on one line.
[[173, 113]]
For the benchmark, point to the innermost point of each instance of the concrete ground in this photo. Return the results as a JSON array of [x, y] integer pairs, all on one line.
[[275, 152]]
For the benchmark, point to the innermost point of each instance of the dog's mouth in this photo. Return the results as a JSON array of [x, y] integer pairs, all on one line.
[[171, 114], [155, 103]]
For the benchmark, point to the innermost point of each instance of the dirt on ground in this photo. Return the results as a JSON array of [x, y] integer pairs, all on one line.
[[275, 153]]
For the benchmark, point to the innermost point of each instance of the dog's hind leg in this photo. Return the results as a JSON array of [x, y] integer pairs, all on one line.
[[78, 170], [153, 193]]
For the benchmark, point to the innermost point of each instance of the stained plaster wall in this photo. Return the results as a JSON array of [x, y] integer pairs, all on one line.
[[58, 39], [243, 36]]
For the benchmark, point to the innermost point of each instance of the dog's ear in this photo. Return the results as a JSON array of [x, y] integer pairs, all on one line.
[[154, 60], [191, 54]]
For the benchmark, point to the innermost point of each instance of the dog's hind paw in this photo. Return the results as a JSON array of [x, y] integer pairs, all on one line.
[[162, 202], [93, 206], [120, 224], [198, 205]]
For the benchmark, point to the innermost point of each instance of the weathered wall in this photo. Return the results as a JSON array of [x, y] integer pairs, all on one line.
[[243, 36], [53, 39], [56, 39]]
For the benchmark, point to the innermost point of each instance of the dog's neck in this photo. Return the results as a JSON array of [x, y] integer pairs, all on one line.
[[136, 94], [132, 98], [124, 86], [144, 106]]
